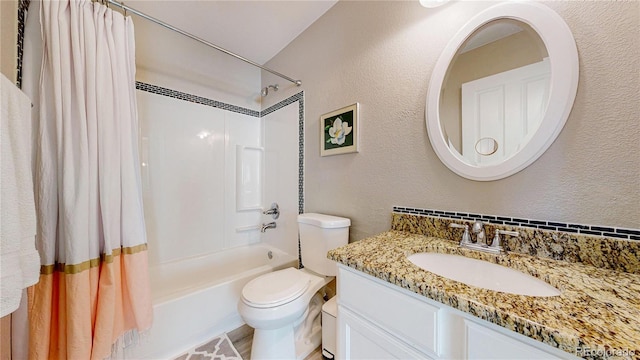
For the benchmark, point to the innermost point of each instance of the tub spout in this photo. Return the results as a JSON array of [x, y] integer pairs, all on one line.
[[271, 225]]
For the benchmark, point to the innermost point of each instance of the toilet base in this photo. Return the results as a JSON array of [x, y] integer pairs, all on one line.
[[295, 341], [307, 345], [273, 344]]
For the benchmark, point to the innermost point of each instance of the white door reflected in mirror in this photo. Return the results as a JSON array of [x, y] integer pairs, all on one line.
[[507, 106]]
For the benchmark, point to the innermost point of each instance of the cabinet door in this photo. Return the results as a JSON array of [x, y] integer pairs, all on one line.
[[359, 339], [401, 314], [485, 343]]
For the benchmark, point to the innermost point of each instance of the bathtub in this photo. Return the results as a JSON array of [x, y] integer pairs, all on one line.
[[196, 299]]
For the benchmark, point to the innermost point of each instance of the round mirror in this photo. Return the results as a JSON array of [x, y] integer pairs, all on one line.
[[502, 90]]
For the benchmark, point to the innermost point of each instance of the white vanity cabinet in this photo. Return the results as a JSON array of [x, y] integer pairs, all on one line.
[[378, 320]]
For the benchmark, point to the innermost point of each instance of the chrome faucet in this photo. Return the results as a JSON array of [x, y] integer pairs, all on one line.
[[478, 229], [481, 243], [271, 225]]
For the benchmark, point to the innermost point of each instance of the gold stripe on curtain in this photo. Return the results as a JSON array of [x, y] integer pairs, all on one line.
[[76, 268]]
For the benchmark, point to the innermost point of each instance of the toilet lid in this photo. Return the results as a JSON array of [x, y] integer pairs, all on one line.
[[276, 288]]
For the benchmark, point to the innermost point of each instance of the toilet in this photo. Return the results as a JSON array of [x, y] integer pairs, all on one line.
[[281, 305]]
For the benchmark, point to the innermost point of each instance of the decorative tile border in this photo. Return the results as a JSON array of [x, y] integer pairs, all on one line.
[[23, 7], [158, 90], [620, 233]]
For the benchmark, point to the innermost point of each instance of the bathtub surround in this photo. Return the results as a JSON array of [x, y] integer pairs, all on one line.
[[278, 129], [598, 251], [93, 295]]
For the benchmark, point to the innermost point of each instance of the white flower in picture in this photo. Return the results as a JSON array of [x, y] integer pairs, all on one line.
[[339, 131]]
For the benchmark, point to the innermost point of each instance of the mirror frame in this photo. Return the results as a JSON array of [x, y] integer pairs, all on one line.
[[563, 57]]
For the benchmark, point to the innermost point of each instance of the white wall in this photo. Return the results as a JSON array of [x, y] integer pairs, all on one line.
[[381, 54], [188, 153], [281, 176]]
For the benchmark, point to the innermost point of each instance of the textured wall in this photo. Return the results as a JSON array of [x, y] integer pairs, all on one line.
[[9, 33], [381, 55]]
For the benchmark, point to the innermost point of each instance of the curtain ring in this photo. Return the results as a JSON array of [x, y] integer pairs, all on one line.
[[124, 8]]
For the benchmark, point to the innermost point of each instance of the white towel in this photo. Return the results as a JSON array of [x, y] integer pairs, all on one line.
[[19, 260]]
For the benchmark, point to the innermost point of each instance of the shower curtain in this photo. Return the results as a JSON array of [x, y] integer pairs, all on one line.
[[93, 291]]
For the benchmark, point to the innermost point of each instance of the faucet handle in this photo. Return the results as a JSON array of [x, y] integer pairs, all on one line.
[[274, 211], [466, 238], [496, 239]]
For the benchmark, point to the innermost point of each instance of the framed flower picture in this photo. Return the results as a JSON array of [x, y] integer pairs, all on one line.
[[339, 131]]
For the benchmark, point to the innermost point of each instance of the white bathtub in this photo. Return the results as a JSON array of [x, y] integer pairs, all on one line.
[[196, 299]]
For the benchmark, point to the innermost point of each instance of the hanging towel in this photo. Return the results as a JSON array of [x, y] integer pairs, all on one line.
[[19, 260]]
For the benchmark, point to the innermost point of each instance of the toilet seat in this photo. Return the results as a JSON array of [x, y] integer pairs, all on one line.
[[275, 288]]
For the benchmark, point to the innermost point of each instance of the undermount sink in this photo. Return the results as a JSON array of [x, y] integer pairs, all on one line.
[[482, 274]]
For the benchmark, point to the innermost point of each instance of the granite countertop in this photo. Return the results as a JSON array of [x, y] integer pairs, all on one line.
[[598, 308]]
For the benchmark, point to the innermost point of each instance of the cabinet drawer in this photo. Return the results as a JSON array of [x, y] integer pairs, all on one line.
[[358, 340], [485, 343], [397, 311]]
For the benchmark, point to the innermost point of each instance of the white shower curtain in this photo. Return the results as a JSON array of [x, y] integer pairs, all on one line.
[[94, 287]]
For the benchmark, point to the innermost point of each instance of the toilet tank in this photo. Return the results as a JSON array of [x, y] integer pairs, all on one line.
[[320, 233]]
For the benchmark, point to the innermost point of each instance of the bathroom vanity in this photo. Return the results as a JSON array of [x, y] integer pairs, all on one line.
[[379, 320], [390, 308]]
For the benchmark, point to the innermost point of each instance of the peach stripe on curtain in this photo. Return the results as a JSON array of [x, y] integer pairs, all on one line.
[[94, 288]]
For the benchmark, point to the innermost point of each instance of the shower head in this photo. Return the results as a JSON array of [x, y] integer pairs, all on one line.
[[265, 91]]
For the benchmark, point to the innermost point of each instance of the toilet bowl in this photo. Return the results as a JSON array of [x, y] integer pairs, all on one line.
[[275, 316], [276, 304]]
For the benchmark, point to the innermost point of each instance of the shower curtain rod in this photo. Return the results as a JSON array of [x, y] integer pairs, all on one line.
[[170, 27]]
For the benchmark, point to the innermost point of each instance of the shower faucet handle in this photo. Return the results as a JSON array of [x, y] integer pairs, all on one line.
[[274, 211]]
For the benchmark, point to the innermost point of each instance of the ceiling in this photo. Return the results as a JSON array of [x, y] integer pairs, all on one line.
[[256, 30]]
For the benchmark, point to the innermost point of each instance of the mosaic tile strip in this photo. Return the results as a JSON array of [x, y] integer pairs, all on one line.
[[612, 232], [301, 154], [601, 252], [23, 7], [286, 102], [158, 90]]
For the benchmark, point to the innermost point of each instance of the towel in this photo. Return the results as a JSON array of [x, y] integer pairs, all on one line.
[[19, 260]]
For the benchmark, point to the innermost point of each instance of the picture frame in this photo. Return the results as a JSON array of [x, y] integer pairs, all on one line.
[[339, 132]]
